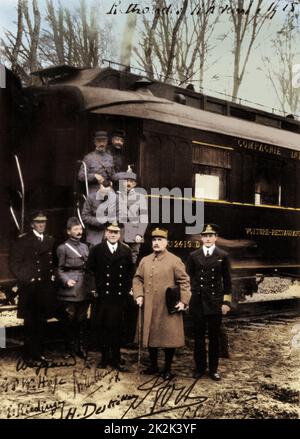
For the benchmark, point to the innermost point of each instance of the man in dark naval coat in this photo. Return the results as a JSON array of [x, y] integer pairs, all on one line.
[[31, 262], [209, 270], [73, 292], [111, 264]]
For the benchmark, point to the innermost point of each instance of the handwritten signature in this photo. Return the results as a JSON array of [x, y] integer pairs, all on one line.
[[163, 396]]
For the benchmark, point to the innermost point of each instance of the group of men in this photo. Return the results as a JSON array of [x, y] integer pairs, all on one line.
[[60, 282]]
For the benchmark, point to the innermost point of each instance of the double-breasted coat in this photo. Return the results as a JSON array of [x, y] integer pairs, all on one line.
[[210, 280], [72, 257], [113, 280], [31, 261], [154, 275]]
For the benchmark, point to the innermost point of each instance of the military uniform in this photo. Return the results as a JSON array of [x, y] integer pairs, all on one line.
[[72, 257], [97, 162], [107, 206], [31, 262], [136, 218], [113, 278], [211, 288]]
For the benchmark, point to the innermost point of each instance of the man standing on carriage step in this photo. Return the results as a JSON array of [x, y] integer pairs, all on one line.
[[209, 270], [116, 148], [98, 163], [110, 263], [73, 290], [31, 261]]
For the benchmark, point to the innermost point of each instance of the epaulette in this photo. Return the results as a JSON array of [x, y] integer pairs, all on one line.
[[22, 234], [126, 245]]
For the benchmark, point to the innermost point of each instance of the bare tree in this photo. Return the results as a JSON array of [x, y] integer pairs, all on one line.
[[279, 67], [178, 47], [247, 25], [21, 50], [63, 37]]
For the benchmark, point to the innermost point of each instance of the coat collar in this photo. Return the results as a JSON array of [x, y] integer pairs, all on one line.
[[160, 256], [210, 259]]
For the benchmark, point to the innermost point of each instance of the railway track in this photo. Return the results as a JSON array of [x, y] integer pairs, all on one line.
[[254, 314]]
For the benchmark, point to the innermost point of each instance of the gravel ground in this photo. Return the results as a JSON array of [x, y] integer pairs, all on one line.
[[260, 380]]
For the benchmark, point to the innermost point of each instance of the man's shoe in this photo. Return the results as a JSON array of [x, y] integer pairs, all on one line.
[[81, 353], [167, 375], [151, 370], [198, 374], [121, 368], [215, 376]]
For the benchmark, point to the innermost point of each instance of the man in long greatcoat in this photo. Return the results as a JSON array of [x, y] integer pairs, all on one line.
[[156, 272]]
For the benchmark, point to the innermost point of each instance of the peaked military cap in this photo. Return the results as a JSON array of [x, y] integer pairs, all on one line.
[[210, 229], [118, 133], [159, 233], [38, 216], [113, 227], [73, 221], [101, 135]]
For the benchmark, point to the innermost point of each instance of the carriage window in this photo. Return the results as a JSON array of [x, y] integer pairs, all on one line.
[[211, 167], [268, 183], [207, 186], [210, 182]]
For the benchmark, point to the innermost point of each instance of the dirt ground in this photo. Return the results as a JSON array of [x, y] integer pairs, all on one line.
[[260, 380]]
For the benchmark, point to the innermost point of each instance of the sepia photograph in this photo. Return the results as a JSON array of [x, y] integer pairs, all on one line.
[[149, 212]]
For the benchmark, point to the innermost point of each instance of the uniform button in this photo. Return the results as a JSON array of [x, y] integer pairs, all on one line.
[[212, 269], [120, 275], [51, 271], [212, 285], [39, 270], [120, 285], [119, 293], [121, 266], [201, 278], [39, 278], [213, 294], [107, 283], [107, 292], [107, 266], [37, 262], [149, 283], [213, 277], [107, 275]]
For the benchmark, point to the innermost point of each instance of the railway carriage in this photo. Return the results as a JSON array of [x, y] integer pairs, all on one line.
[[246, 160]]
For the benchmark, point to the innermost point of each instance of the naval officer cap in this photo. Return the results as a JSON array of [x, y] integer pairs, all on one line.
[[113, 227], [210, 229], [159, 233], [38, 216]]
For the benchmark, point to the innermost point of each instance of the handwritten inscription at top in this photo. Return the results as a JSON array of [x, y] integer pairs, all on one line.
[[270, 9]]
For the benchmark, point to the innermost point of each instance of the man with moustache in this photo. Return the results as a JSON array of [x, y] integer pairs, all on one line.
[[31, 261], [116, 148], [99, 163], [110, 263], [209, 270], [157, 272], [72, 257]]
